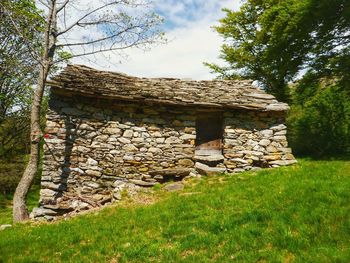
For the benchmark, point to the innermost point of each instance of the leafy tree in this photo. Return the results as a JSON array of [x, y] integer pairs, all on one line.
[[305, 41], [319, 121], [271, 41], [18, 69], [103, 26]]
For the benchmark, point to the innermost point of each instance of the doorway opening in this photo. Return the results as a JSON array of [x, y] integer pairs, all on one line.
[[209, 130]]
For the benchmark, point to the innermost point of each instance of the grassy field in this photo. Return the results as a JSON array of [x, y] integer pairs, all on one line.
[[294, 214], [10, 174], [6, 204]]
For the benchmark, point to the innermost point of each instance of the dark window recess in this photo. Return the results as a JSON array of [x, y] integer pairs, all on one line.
[[209, 129]]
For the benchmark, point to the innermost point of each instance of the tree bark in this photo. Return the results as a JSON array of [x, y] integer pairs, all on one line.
[[20, 211]]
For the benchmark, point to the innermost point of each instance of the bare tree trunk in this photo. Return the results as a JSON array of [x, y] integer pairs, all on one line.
[[20, 211]]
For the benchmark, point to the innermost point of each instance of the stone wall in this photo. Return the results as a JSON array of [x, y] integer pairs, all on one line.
[[97, 149], [255, 140]]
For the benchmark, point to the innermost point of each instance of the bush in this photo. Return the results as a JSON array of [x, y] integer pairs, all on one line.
[[319, 120], [10, 174]]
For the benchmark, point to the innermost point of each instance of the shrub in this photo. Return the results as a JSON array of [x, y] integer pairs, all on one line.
[[319, 119], [10, 174]]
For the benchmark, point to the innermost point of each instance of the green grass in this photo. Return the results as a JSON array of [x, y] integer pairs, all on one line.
[[11, 171], [295, 214], [6, 204]]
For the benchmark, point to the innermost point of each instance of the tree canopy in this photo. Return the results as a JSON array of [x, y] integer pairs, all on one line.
[[274, 41]]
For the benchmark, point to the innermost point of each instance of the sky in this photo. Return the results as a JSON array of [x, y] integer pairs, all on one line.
[[191, 41]]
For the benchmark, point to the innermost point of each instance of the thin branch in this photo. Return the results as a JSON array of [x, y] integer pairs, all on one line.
[[96, 40], [83, 17], [101, 50], [59, 9]]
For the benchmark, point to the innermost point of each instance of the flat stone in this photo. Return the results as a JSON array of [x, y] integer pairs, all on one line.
[[173, 140], [77, 170], [124, 140], [285, 150], [255, 153], [139, 129], [112, 131], [55, 141], [272, 157], [283, 132], [289, 156], [280, 138], [53, 186], [128, 134], [130, 148], [142, 183], [207, 170], [209, 158], [186, 162], [93, 173], [283, 162], [239, 160], [143, 169], [177, 172], [85, 126], [93, 185], [174, 187], [186, 137], [160, 140], [260, 96], [39, 211], [3, 227], [266, 133], [264, 142], [119, 184], [279, 127], [47, 192], [158, 177], [156, 134], [95, 168], [277, 107], [138, 140], [117, 196], [81, 149], [92, 162], [271, 149], [155, 150]]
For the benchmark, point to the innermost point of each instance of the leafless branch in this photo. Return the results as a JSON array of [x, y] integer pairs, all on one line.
[[84, 17], [59, 9]]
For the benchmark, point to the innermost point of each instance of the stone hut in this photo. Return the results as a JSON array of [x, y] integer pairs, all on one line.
[[109, 133]]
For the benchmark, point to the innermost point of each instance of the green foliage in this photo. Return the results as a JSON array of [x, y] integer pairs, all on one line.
[[272, 41], [14, 135], [298, 213], [20, 32], [10, 173], [319, 121], [17, 51]]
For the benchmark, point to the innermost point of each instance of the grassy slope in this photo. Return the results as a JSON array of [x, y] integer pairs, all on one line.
[[6, 204], [294, 214]]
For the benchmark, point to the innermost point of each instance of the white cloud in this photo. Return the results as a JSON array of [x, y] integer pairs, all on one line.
[[193, 42]]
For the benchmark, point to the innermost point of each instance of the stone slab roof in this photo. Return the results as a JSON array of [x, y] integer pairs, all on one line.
[[234, 94]]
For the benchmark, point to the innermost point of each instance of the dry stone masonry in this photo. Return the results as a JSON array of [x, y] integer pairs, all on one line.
[[108, 134]]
